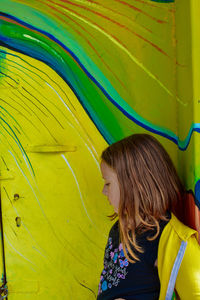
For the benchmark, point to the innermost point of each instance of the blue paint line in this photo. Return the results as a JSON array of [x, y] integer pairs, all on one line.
[[182, 145], [163, 1], [109, 139], [197, 193], [8, 77], [99, 126], [18, 143], [11, 117]]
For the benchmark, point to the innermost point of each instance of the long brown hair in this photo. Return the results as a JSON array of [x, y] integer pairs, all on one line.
[[149, 186]]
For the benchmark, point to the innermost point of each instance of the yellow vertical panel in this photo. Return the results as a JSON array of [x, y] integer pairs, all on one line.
[[53, 211]]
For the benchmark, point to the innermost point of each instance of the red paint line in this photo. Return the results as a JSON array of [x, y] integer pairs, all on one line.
[[89, 43], [120, 14], [140, 11], [99, 14], [136, 34]]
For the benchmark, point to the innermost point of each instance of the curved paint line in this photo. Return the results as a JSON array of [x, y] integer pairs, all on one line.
[[181, 144], [105, 17], [171, 136], [163, 1], [106, 135], [29, 233], [116, 12], [197, 193], [19, 112], [29, 64], [21, 78], [140, 11], [77, 184], [150, 4], [44, 107], [9, 66], [18, 143], [116, 23], [12, 118], [6, 144], [77, 121], [89, 289], [78, 60], [88, 41], [49, 223], [36, 115], [121, 46], [18, 251], [27, 182], [35, 99]]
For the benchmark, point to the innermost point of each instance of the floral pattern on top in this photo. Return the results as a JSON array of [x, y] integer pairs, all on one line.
[[115, 267]]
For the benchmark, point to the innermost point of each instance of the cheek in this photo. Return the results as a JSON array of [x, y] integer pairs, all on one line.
[[117, 190], [116, 195]]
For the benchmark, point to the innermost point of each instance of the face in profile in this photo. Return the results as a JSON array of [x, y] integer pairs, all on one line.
[[111, 186]]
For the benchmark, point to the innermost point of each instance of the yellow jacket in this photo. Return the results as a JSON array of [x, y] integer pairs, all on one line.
[[178, 246]]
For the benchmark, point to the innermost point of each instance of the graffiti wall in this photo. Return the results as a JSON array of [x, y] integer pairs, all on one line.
[[76, 76]]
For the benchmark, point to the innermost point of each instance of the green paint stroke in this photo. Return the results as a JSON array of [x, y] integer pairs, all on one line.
[[92, 99], [111, 122], [95, 102]]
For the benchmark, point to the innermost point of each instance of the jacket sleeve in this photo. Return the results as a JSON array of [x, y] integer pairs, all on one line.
[[188, 278], [187, 283]]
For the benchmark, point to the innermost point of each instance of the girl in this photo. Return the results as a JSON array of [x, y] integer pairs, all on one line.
[[142, 185]]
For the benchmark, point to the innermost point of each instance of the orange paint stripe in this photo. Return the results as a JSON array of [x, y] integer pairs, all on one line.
[[94, 49], [117, 12], [152, 5], [140, 11], [136, 34], [105, 17]]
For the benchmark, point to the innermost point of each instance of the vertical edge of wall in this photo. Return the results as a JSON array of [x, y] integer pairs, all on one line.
[[187, 32], [195, 43]]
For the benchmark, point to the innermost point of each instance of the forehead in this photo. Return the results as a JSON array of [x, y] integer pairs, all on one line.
[[107, 171]]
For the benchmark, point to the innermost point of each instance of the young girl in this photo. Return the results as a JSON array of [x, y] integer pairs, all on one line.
[[142, 185]]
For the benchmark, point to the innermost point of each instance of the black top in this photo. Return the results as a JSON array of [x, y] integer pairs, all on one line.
[[130, 281]]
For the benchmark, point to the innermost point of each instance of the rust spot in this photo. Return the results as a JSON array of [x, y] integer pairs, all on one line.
[[18, 221], [16, 197]]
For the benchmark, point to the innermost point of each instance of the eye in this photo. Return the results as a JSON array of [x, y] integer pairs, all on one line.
[[106, 184]]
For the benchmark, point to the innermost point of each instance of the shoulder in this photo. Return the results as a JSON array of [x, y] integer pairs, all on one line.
[[178, 242], [174, 234], [177, 228]]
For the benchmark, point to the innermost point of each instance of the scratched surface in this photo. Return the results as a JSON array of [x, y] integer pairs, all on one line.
[[74, 77]]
